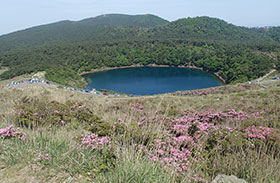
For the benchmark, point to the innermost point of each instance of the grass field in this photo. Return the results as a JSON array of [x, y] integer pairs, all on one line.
[[63, 136]]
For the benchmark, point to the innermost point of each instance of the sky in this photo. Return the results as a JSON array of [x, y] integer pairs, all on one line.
[[20, 14]]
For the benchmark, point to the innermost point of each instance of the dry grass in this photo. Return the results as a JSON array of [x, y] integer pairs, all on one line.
[[253, 166]]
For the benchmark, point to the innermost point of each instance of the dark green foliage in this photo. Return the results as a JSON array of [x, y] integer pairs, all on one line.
[[119, 128], [100, 127], [234, 64], [67, 49], [272, 32], [125, 20], [135, 134], [225, 142], [64, 76], [207, 28], [34, 113], [125, 27], [105, 27], [278, 63]]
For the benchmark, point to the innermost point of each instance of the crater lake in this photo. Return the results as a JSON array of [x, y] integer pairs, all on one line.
[[151, 80]]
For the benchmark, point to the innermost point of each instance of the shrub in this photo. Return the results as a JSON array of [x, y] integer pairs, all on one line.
[[101, 146], [34, 113], [10, 132]]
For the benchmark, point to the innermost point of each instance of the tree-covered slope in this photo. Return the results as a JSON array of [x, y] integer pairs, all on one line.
[[138, 27], [105, 27], [125, 20], [233, 63], [236, 53], [208, 29], [272, 32]]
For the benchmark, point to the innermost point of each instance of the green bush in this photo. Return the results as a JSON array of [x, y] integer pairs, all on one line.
[[34, 113]]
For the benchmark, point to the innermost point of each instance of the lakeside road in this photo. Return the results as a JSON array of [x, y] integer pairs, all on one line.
[[24, 85], [21, 85]]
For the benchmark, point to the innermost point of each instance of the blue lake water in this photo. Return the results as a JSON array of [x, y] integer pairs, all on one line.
[[151, 80]]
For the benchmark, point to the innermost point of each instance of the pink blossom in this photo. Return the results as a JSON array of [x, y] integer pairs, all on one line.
[[94, 142], [10, 132], [259, 132]]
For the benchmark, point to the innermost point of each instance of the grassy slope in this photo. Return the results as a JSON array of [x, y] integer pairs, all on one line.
[[18, 161]]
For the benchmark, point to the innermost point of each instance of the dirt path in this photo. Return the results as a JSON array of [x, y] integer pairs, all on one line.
[[265, 76]]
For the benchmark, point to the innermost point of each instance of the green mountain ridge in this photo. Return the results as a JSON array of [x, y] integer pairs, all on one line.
[[134, 27], [211, 28], [236, 53], [100, 28], [147, 20]]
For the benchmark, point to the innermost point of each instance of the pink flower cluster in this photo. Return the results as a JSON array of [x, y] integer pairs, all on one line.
[[202, 93], [94, 142], [10, 132], [211, 116], [20, 112], [43, 157], [259, 132], [181, 129], [56, 111], [174, 152], [182, 147], [138, 107], [77, 106]]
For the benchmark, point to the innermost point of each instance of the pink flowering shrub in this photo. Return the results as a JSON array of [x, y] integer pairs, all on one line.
[[259, 132], [101, 149], [35, 113], [173, 151], [94, 142], [195, 137], [176, 152], [10, 132], [138, 107]]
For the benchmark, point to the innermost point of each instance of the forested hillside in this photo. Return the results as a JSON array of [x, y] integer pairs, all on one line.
[[125, 20], [101, 28], [237, 54]]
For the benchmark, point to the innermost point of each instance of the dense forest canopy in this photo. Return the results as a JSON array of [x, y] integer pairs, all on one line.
[[66, 49], [101, 28]]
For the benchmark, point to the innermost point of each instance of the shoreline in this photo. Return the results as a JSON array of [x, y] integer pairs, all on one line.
[[150, 65]]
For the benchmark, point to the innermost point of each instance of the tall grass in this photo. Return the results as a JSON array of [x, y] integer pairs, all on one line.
[[64, 155], [133, 167], [56, 150]]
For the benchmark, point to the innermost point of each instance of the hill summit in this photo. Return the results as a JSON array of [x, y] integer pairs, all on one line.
[[147, 20]]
